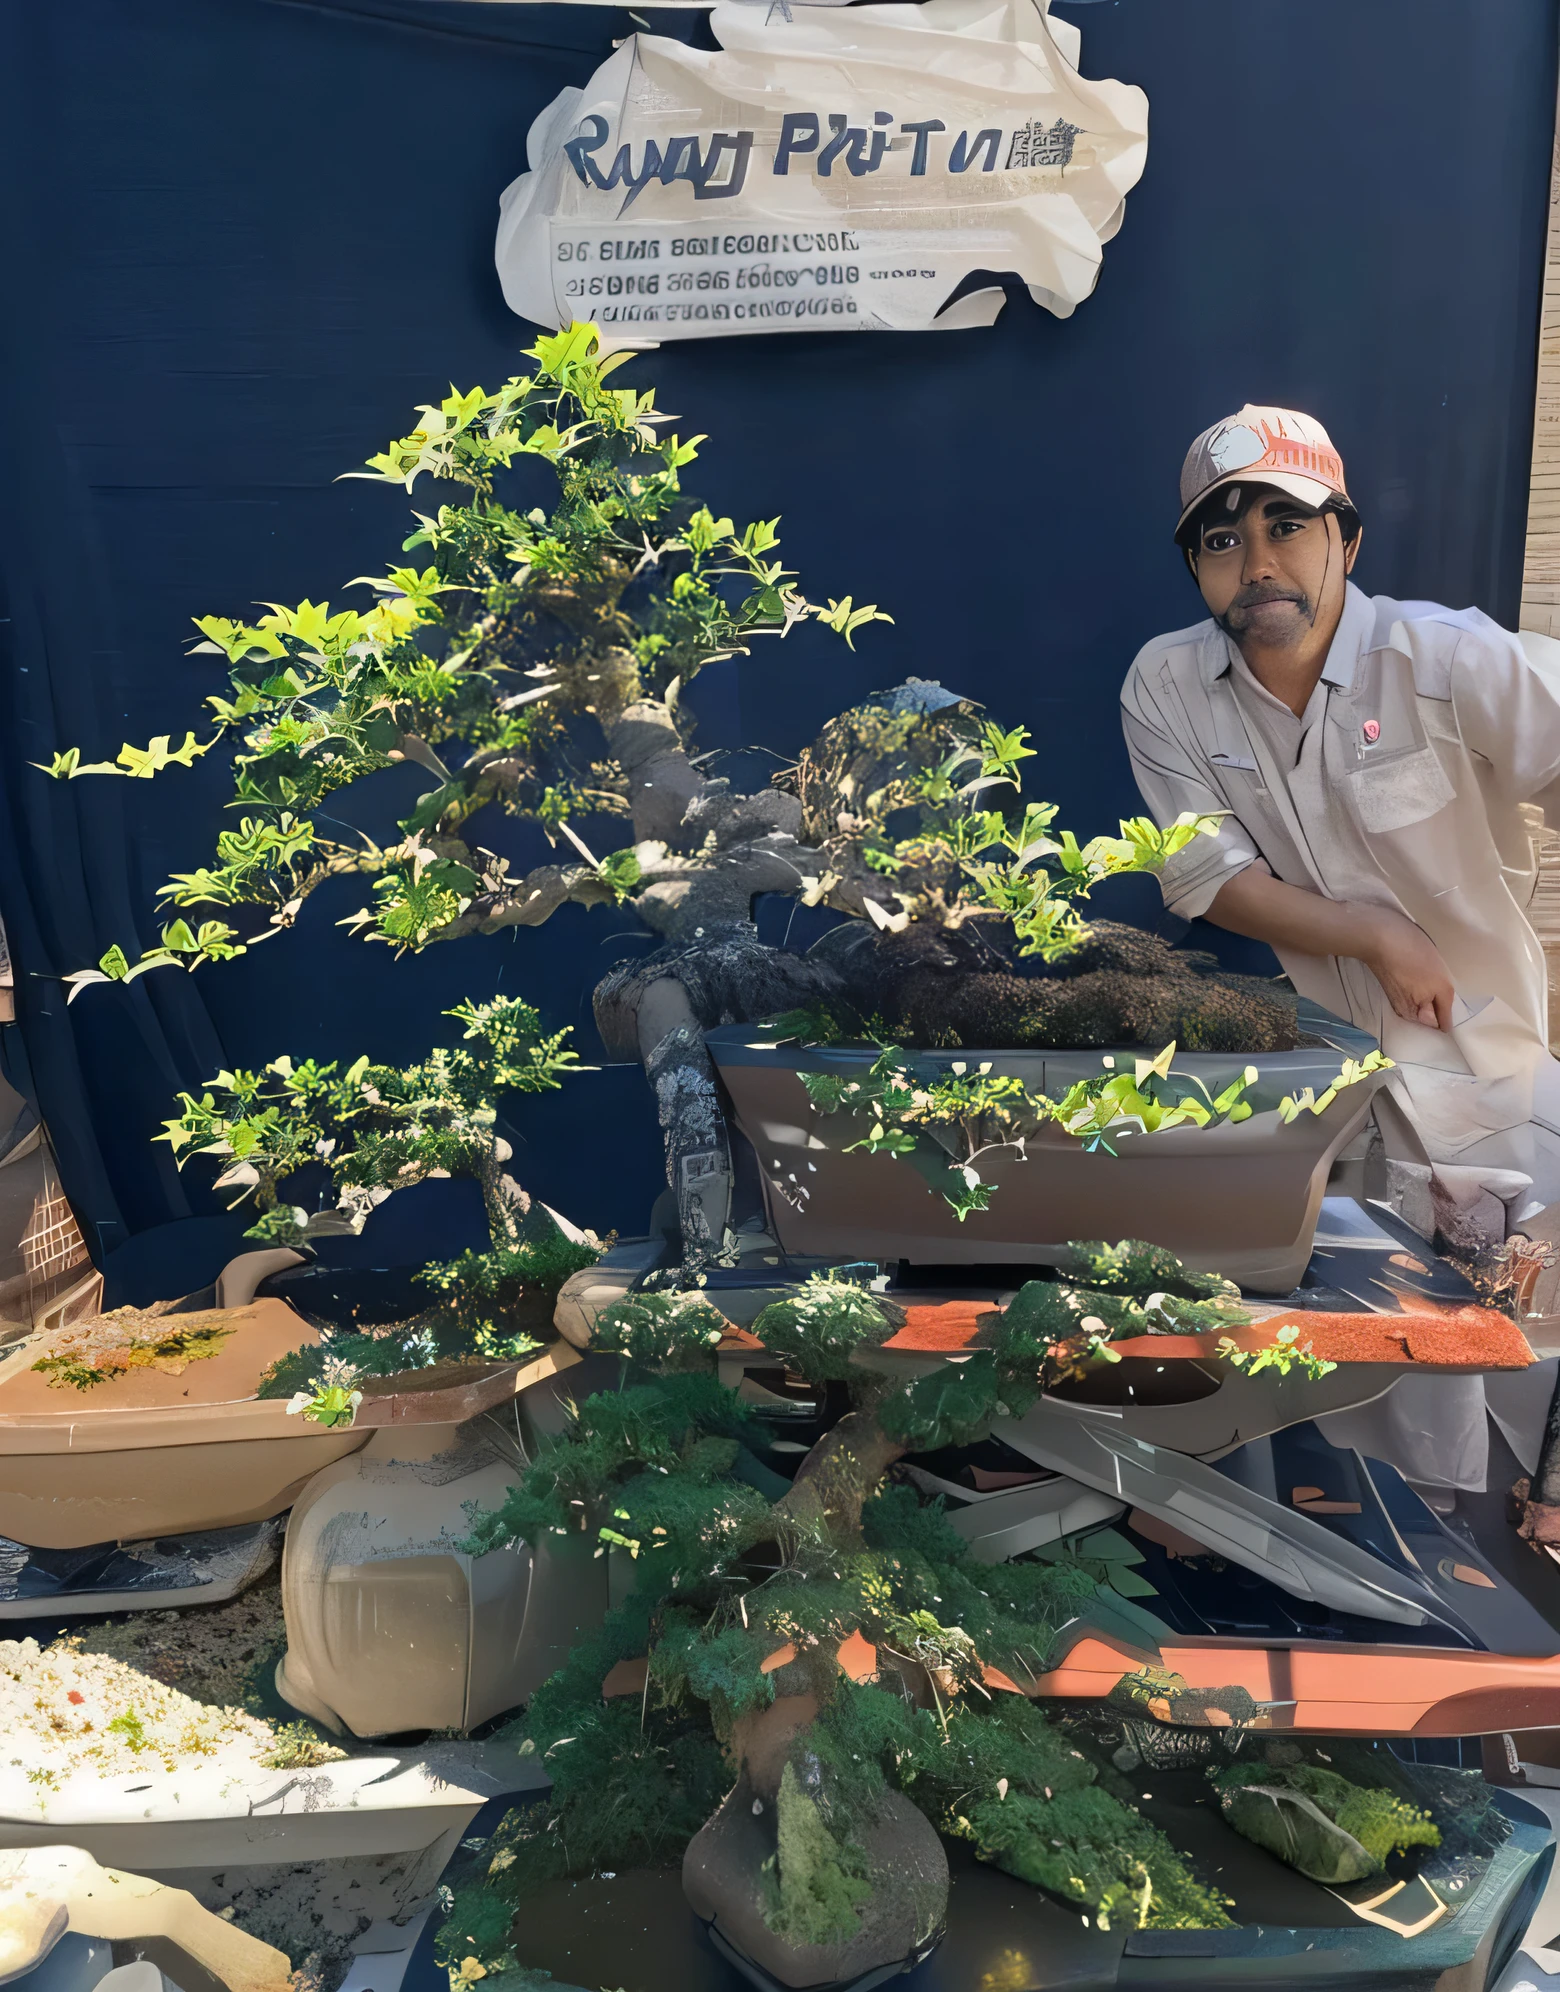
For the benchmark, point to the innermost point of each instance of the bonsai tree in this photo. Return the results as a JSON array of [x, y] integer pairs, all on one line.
[[811, 1673], [946, 1122], [535, 664], [811, 1679], [912, 802], [543, 652], [371, 1130], [952, 895]]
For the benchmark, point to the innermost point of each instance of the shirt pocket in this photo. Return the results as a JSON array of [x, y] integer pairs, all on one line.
[[1247, 797], [1405, 788]]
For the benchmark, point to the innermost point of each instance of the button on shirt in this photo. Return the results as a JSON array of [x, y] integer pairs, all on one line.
[[1398, 786]]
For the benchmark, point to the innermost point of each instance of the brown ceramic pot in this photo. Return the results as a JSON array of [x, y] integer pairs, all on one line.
[[391, 1624], [153, 1453], [1241, 1198]]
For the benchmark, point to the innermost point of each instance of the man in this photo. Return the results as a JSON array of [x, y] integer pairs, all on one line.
[[1371, 755]]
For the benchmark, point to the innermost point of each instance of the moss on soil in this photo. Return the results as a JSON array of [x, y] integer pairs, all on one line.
[[951, 988], [87, 1353]]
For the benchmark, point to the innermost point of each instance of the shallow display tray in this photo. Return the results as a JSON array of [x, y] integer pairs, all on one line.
[[634, 1930], [150, 1455], [207, 1816]]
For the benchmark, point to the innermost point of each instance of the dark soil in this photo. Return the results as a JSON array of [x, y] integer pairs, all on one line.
[[947, 988]]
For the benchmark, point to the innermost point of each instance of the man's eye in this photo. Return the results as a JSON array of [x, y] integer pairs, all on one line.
[[1284, 528], [1220, 542]]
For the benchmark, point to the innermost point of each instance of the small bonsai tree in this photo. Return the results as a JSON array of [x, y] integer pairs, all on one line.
[[826, 1639], [906, 801], [945, 1124], [372, 1130], [896, 799]]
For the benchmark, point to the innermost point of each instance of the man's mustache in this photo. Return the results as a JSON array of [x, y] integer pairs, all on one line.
[[1259, 595]]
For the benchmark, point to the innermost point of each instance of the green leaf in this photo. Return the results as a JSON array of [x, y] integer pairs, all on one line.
[[808, 1025], [381, 731], [845, 620], [953, 1406], [136, 761], [432, 806], [968, 1197], [141, 763], [1002, 751], [623, 872]]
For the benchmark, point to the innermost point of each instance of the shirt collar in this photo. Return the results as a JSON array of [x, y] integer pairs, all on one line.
[[1351, 640]]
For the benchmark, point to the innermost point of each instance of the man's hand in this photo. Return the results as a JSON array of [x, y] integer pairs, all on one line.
[[1401, 956], [1408, 965]]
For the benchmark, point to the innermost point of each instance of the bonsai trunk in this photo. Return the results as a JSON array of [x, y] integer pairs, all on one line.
[[703, 901], [502, 1197], [693, 1128], [843, 1470], [657, 1011], [779, 1879]]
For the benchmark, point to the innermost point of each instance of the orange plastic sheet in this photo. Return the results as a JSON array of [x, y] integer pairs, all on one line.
[[1462, 1338], [1342, 1690]]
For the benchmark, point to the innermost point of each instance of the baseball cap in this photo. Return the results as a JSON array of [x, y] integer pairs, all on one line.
[[1276, 446]]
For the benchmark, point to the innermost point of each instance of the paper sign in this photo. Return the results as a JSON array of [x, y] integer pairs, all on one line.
[[825, 168]]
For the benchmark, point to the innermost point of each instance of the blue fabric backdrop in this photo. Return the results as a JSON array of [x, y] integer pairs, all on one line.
[[245, 237]]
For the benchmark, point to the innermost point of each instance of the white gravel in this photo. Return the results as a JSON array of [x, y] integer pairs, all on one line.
[[63, 1711]]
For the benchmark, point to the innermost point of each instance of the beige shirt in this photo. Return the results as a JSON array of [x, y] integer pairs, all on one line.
[[1399, 787]]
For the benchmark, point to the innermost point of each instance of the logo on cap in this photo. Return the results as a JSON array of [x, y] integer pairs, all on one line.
[[1270, 445], [1277, 446]]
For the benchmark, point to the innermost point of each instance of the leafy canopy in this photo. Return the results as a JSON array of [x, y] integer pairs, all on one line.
[[904, 801], [498, 667], [375, 1128]]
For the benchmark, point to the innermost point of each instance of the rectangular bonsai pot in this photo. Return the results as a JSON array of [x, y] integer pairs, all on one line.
[[159, 1452], [1238, 1199]]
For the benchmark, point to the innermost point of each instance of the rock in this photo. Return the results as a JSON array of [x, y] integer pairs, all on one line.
[[897, 1872], [1298, 1832], [900, 1921], [1469, 1219], [1408, 1193], [1472, 1205]]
